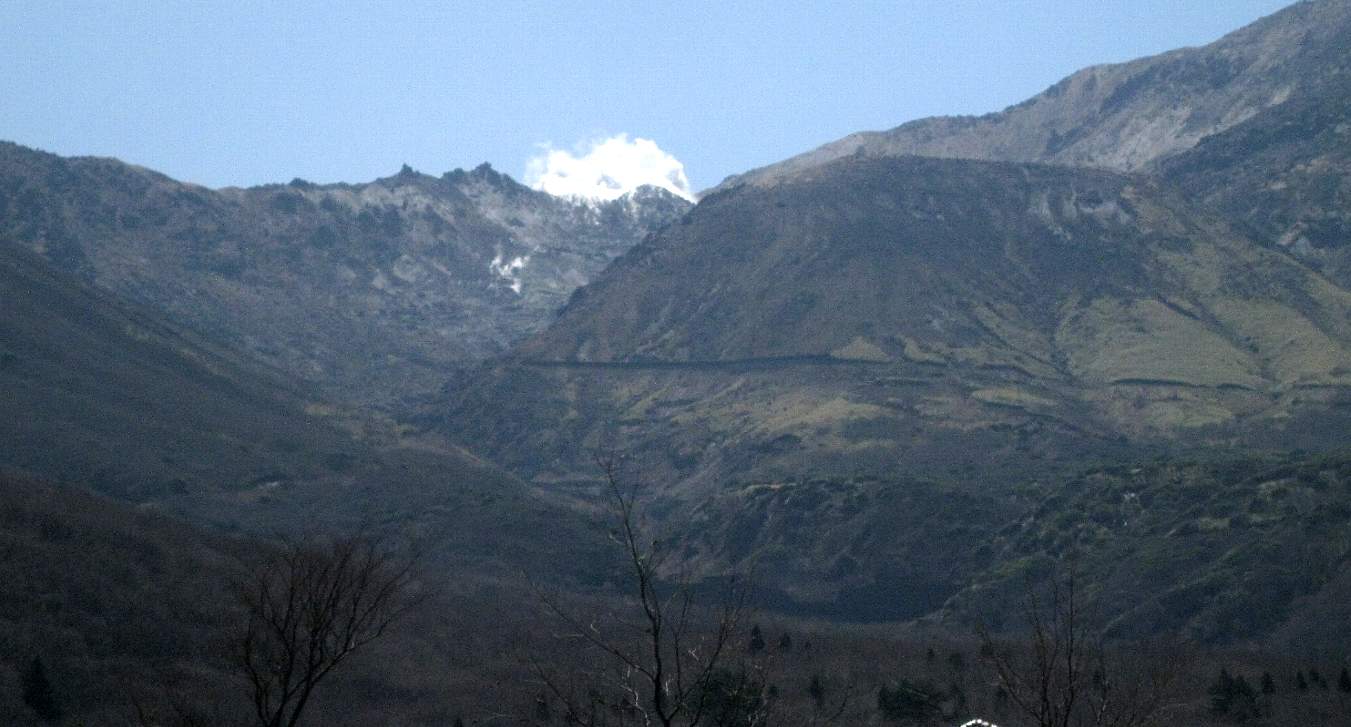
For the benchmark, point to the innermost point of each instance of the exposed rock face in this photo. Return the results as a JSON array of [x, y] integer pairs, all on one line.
[[1127, 116], [371, 290]]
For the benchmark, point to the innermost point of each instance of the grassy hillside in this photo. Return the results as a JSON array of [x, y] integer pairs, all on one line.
[[925, 335], [921, 313]]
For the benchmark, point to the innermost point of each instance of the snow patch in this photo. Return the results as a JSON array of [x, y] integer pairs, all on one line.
[[607, 169], [510, 269]]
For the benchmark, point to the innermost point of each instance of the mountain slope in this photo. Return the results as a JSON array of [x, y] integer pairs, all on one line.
[[1127, 116], [938, 295], [1283, 176], [969, 323], [1235, 549], [370, 290], [107, 395]]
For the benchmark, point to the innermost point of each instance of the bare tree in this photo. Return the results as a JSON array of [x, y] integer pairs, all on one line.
[[307, 608], [670, 662], [1065, 675]]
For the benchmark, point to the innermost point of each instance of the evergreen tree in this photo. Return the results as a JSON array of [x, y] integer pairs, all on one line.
[[757, 644], [542, 711], [1301, 683], [817, 691], [914, 702], [785, 642], [1233, 696], [1221, 692], [1344, 682], [734, 697], [1268, 684], [38, 693], [1317, 679]]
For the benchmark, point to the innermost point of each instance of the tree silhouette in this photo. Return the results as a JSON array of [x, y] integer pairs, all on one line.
[[667, 659], [757, 642], [38, 693], [1066, 676], [308, 607]]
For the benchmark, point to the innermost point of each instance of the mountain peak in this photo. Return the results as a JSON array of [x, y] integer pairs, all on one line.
[[1125, 116], [484, 174]]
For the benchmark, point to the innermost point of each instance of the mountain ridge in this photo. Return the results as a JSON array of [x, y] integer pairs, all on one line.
[[1124, 116], [1019, 285], [374, 289], [910, 320]]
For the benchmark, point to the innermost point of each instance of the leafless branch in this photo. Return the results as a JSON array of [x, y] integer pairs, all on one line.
[[308, 607]]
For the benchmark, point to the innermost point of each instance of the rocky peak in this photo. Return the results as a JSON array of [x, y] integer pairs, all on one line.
[[375, 290]]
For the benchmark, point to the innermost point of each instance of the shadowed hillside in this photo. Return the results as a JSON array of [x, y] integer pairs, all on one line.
[[106, 395]]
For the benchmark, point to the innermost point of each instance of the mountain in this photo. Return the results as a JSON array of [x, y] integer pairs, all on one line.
[[111, 395], [1283, 176], [1129, 116], [1233, 549], [855, 366], [108, 395], [372, 291], [881, 306], [901, 373], [905, 319], [1254, 125]]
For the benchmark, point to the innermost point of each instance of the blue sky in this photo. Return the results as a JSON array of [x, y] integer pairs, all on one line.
[[239, 93]]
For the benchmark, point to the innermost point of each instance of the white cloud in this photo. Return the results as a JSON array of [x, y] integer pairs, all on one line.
[[607, 169]]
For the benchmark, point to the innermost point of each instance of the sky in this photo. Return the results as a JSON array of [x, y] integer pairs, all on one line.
[[241, 93]]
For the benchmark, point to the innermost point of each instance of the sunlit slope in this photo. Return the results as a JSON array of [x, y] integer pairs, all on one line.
[[911, 311]]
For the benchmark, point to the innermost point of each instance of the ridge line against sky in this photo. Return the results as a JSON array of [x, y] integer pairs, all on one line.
[[254, 92]]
